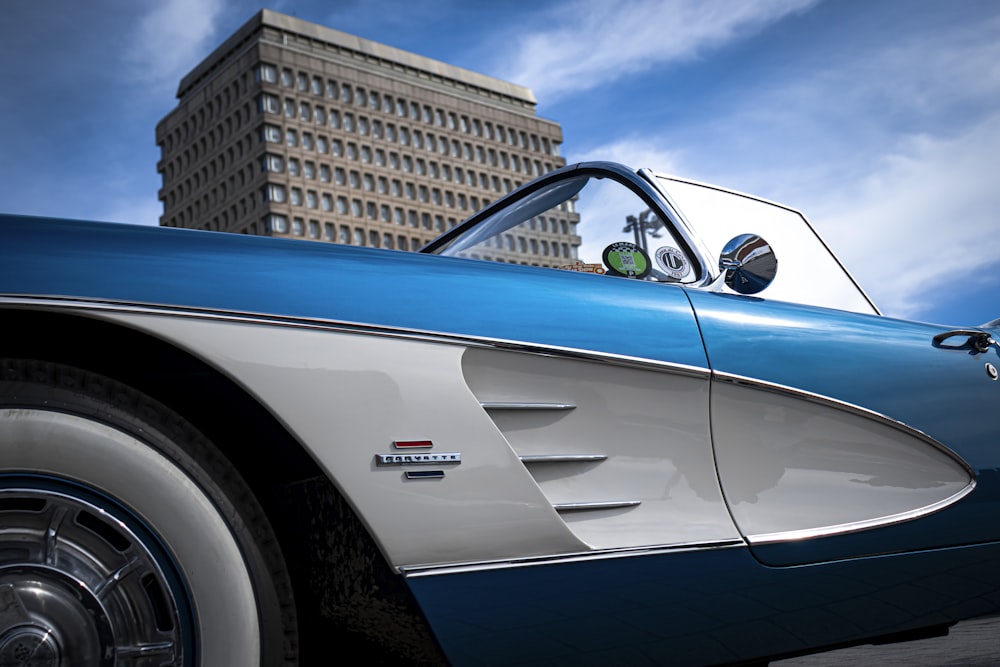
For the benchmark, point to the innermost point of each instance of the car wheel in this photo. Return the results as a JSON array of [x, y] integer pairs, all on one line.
[[125, 536]]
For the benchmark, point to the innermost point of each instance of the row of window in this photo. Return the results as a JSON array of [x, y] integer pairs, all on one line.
[[393, 160], [313, 229], [345, 234], [294, 138], [347, 93]]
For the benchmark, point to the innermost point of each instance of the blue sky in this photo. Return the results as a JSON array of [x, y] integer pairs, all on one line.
[[879, 119]]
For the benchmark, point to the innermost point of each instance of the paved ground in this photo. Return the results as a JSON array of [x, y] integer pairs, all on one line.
[[973, 643]]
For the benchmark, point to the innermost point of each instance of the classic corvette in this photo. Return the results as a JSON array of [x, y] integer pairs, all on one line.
[[680, 435]]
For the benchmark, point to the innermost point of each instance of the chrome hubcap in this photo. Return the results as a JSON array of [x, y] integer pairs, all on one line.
[[79, 587]]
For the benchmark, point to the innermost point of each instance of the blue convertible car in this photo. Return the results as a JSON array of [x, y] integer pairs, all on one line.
[[685, 437]]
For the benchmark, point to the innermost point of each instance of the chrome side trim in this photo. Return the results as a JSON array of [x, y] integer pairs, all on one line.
[[562, 559], [820, 399], [562, 458], [828, 531], [592, 506], [488, 405], [263, 319]]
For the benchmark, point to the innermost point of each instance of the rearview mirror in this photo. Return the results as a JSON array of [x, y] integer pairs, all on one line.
[[748, 263]]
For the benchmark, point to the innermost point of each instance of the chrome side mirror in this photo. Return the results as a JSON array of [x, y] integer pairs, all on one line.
[[748, 263]]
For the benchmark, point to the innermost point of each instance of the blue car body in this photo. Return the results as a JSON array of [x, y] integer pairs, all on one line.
[[843, 484]]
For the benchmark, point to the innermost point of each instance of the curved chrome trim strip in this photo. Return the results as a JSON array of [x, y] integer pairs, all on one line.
[[50, 302], [856, 526], [561, 559], [493, 405], [846, 407], [593, 506], [562, 458]]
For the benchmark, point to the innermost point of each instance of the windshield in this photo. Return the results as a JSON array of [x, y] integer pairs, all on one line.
[[808, 272], [582, 223]]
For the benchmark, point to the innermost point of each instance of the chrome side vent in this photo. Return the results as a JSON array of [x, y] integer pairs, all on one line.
[[562, 458], [545, 467], [496, 405], [586, 507]]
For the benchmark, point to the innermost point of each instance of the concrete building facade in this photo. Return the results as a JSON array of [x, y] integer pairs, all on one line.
[[296, 130]]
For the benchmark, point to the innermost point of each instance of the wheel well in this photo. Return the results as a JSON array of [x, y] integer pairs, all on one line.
[[342, 583]]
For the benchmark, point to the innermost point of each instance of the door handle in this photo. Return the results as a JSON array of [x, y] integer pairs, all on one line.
[[979, 340]]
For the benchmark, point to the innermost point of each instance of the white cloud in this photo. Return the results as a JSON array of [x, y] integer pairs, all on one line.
[[172, 38], [597, 42], [636, 153], [924, 218]]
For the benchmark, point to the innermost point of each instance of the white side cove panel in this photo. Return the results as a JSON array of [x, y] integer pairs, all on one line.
[[794, 468], [622, 453], [348, 397]]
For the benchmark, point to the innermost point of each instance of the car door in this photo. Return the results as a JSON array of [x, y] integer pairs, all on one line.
[[840, 434]]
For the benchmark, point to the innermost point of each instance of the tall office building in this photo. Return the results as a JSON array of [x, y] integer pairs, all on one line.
[[296, 130]]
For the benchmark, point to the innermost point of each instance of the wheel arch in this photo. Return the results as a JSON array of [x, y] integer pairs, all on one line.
[[280, 472]]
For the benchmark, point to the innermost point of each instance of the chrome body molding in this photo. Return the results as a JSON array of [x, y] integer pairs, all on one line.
[[828, 531], [498, 405], [264, 319], [819, 399], [562, 559], [794, 465], [595, 505], [562, 458]]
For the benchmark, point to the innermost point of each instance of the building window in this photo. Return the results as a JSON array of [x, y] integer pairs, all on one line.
[[298, 226], [309, 170], [324, 173], [317, 85], [267, 73], [342, 205], [329, 231], [274, 192], [269, 103], [322, 146], [307, 141], [303, 82], [296, 198], [271, 133], [291, 138], [359, 236], [344, 234], [287, 77], [277, 224], [314, 229], [272, 163], [293, 167], [327, 201], [311, 199]]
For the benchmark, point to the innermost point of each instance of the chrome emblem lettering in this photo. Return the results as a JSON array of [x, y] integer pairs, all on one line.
[[418, 459]]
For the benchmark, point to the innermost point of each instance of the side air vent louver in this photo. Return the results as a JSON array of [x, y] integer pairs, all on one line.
[[622, 453]]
